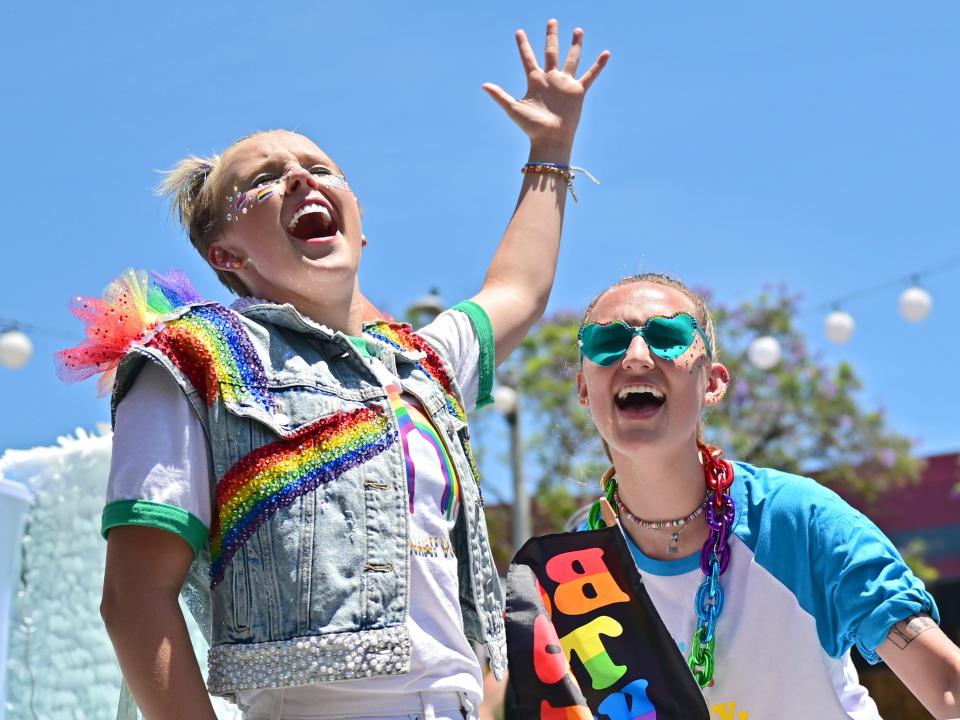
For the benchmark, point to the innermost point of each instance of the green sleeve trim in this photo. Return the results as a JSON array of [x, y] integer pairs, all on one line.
[[360, 344], [155, 515], [481, 323]]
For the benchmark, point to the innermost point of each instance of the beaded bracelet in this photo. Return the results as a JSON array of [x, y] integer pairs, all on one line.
[[563, 170]]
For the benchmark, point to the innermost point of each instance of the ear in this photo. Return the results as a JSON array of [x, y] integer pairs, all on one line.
[[223, 259], [582, 390], [718, 380]]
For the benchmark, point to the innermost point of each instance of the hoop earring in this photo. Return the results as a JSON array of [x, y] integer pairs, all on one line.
[[363, 240]]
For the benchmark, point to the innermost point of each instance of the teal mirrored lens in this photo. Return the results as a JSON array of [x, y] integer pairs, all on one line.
[[605, 344], [670, 337]]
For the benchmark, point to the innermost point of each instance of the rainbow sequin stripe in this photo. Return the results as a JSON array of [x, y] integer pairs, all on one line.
[[402, 337], [276, 474], [210, 346], [207, 342]]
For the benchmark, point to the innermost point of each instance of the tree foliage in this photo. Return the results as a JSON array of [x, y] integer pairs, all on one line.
[[802, 416]]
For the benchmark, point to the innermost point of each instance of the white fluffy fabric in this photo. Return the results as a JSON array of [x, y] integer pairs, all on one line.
[[60, 660]]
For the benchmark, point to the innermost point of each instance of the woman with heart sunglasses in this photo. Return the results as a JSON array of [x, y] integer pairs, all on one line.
[[766, 580]]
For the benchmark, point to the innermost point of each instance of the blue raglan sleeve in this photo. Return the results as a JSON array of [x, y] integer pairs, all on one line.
[[842, 569]]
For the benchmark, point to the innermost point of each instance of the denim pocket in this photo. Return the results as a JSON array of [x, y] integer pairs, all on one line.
[[241, 591]]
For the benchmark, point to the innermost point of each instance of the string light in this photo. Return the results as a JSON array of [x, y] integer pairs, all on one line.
[[915, 304], [16, 347], [764, 353], [839, 326]]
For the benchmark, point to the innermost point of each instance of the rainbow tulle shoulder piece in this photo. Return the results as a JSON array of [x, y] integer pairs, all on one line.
[[129, 311]]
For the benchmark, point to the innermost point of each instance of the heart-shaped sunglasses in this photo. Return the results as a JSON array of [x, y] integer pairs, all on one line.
[[667, 336]]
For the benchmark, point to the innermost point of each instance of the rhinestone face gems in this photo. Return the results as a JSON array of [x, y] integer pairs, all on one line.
[[240, 203], [334, 182], [243, 201]]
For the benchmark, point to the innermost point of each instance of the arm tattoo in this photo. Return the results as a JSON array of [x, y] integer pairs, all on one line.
[[905, 632]]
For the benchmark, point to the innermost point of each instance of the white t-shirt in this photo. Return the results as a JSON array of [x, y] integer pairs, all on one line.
[[808, 577], [160, 454]]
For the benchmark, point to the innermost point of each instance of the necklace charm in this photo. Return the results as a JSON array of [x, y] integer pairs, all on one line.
[[674, 547], [675, 526]]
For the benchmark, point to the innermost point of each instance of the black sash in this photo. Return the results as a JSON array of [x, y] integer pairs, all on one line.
[[584, 639]]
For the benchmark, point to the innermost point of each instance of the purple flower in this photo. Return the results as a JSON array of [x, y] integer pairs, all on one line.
[[888, 457], [741, 391]]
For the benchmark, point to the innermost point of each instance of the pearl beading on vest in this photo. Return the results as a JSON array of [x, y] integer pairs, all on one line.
[[309, 660]]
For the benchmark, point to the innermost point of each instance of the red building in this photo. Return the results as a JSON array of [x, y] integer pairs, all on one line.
[[928, 511]]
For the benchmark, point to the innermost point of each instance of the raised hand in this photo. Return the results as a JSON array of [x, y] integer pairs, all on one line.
[[550, 110]]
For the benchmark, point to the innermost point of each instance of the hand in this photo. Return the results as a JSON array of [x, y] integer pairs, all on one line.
[[550, 110]]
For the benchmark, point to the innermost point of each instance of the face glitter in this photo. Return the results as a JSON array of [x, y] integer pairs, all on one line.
[[241, 202], [334, 182]]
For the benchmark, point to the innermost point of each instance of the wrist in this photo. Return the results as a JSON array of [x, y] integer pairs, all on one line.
[[550, 151]]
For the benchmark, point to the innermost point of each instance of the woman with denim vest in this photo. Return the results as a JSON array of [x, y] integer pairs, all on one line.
[[765, 580], [308, 475]]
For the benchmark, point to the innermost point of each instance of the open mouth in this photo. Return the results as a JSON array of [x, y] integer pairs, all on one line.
[[639, 399], [313, 221]]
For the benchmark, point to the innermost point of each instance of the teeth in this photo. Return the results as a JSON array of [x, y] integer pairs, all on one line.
[[311, 208], [637, 389]]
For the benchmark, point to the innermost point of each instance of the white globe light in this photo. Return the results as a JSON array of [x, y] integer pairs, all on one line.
[[764, 352], [505, 399], [15, 349], [839, 326], [915, 304]]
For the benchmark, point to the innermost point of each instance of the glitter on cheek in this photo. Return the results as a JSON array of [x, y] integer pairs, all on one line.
[[240, 203], [334, 182]]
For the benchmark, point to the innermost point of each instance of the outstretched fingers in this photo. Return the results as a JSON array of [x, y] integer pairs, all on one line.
[[551, 51], [573, 57], [590, 75], [502, 97], [527, 57]]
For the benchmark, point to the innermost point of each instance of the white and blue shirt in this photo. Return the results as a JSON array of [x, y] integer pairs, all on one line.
[[809, 577]]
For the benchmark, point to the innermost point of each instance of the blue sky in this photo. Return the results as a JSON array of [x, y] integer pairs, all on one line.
[[738, 147]]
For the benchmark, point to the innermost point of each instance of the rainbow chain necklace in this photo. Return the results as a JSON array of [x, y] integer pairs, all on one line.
[[714, 557]]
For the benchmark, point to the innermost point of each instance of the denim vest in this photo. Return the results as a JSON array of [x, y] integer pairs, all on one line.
[[308, 552]]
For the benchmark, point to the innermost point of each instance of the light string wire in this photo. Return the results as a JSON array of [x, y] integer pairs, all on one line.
[[912, 278], [7, 324]]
